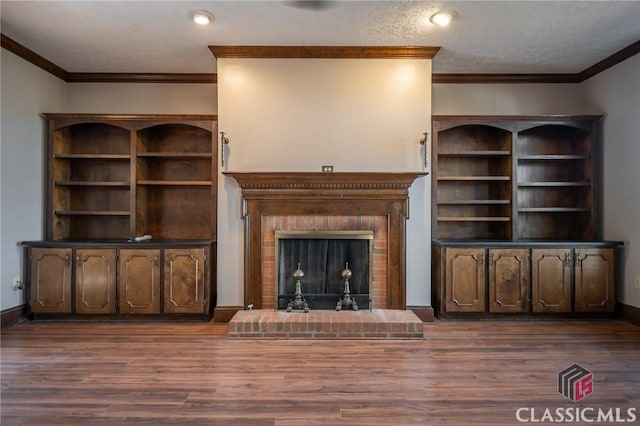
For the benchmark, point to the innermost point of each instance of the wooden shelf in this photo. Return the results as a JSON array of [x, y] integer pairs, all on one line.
[[175, 182], [93, 212], [552, 157], [552, 209], [93, 156], [475, 178], [475, 154], [176, 155], [556, 184], [474, 219], [96, 184], [474, 202]]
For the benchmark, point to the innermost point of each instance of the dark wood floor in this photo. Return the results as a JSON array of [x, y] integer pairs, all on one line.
[[191, 374]]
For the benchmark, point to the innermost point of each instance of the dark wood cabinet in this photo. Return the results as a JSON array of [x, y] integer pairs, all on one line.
[[184, 276], [551, 280], [508, 280], [115, 280], [111, 179], [482, 279], [594, 279], [95, 281], [139, 281], [50, 271], [464, 280], [525, 191]]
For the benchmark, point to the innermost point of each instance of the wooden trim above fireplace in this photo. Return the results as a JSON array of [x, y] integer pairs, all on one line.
[[316, 193]]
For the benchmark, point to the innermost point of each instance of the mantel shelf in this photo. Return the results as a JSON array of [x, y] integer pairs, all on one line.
[[324, 180]]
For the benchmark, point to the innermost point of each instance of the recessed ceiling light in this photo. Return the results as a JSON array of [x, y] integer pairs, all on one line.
[[442, 17], [201, 17]]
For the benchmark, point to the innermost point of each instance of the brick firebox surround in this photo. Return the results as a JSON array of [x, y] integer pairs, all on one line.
[[346, 196], [377, 224]]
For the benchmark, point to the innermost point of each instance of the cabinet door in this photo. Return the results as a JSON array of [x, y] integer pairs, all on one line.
[[184, 280], [50, 280], [594, 275], [95, 282], [464, 280], [551, 276], [508, 280], [139, 281]]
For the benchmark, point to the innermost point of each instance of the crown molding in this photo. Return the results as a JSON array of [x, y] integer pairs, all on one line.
[[32, 57], [315, 52], [326, 52], [609, 61], [445, 78], [104, 77]]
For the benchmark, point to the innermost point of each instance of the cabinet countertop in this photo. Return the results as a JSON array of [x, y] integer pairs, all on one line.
[[525, 243], [118, 243]]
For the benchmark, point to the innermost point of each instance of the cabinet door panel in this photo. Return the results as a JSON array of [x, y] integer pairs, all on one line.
[[551, 277], [594, 282], [50, 280], [95, 282], [184, 281], [139, 281], [508, 280], [465, 284]]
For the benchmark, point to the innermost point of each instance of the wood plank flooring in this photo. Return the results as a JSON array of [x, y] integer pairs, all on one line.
[[462, 373]]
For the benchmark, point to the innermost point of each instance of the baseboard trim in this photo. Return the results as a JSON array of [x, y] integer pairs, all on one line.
[[628, 313], [425, 313], [223, 314], [13, 315]]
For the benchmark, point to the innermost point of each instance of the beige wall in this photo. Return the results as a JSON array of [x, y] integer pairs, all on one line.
[[509, 99], [27, 91], [300, 114], [617, 91], [142, 98]]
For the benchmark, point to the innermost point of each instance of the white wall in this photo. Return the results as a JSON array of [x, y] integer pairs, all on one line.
[[27, 91], [300, 114], [617, 91]]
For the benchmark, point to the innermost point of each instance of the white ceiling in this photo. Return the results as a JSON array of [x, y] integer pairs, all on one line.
[[158, 37]]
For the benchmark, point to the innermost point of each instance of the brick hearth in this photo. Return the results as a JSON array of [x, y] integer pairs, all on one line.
[[326, 324]]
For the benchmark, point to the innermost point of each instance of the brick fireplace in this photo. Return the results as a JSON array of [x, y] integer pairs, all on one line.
[[343, 201]]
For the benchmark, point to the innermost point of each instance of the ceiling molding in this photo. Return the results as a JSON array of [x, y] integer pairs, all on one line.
[[608, 62], [95, 77], [437, 78], [327, 52], [315, 52], [32, 57]]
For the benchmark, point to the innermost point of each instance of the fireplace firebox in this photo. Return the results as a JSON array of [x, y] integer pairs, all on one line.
[[336, 265]]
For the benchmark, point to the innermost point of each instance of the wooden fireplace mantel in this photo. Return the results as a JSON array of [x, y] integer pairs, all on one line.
[[321, 180], [331, 193]]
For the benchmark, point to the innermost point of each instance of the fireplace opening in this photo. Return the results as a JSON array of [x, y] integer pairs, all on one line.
[[323, 257]]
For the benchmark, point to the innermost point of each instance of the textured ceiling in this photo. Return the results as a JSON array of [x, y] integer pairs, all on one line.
[[487, 37]]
